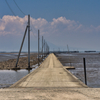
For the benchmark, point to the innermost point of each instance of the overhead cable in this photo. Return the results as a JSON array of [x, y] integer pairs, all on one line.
[[10, 8], [19, 7]]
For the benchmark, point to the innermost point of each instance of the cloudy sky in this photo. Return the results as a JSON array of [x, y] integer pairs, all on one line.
[[75, 23]]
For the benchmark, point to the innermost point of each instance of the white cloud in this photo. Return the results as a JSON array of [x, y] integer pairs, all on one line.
[[15, 25], [12, 25]]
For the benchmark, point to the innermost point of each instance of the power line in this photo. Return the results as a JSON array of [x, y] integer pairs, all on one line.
[[33, 32], [10, 8], [19, 7], [33, 26], [12, 11]]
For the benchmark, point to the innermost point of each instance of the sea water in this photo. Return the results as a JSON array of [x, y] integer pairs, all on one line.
[[9, 77]]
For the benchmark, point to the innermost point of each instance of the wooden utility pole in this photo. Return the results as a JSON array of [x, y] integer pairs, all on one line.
[[67, 48], [42, 47], [85, 71], [28, 41], [21, 47], [38, 46], [27, 28], [46, 48]]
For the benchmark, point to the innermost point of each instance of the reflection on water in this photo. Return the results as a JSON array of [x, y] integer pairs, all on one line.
[[93, 79], [92, 66], [9, 77]]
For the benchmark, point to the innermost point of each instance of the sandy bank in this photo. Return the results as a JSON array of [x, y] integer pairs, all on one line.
[[23, 62]]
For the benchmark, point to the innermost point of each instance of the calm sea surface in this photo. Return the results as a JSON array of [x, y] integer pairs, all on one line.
[[9, 77], [92, 66]]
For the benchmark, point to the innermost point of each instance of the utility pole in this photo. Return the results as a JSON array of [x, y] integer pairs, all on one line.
[[38, 47], [42, 47], [67, 48], [46, 48], [21, 47], [85, 71], [28, 41]]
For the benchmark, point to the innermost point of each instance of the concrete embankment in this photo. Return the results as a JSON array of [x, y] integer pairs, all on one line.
[[50, 74]]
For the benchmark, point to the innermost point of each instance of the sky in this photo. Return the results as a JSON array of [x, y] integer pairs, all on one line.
[[75, 23]]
